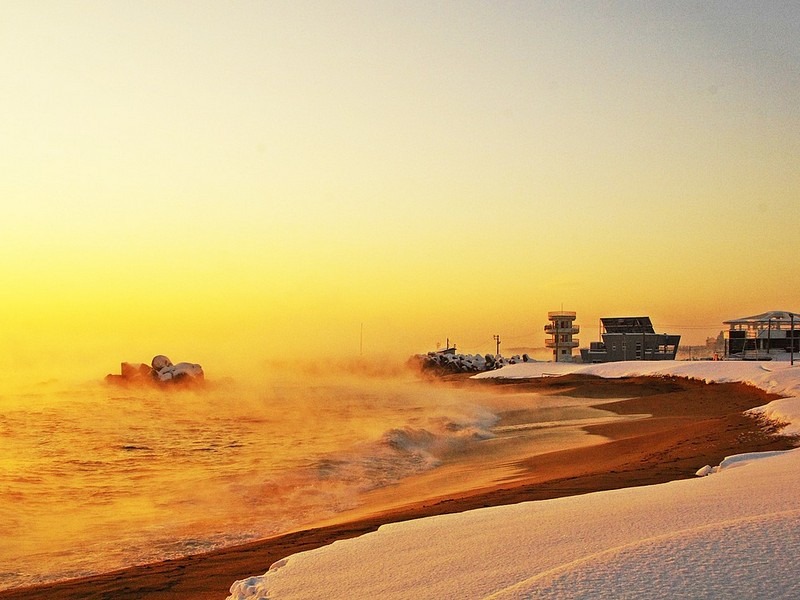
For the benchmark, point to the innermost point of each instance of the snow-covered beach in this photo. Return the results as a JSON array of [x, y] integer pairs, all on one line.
[[733, 533], [691, 424]]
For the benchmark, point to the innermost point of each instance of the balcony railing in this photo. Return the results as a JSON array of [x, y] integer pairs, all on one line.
[[553, 329], [555, 344], [562, 314]]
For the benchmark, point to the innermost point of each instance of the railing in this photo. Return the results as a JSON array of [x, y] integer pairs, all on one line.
[[562, 314], [556, 329], [556, 344]]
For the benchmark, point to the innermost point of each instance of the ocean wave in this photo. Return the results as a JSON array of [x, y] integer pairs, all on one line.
[[404, 451]]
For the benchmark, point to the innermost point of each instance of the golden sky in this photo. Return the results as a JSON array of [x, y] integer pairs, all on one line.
[[215, 180]]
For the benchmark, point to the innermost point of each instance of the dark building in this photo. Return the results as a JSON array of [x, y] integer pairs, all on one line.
[[630, 338], [768, 333]]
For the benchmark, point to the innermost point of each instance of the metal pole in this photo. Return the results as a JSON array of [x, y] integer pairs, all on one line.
[[557, 323], [791, 355], [769, 335]]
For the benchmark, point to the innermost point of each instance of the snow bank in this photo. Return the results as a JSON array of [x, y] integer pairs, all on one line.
[[774, 377], [734, 534]]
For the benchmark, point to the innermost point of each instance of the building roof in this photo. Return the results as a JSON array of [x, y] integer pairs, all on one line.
[[773, 315], [627, 325]]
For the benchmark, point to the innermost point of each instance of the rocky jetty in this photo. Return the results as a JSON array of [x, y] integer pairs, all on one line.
[[447, 362], [160, 370]]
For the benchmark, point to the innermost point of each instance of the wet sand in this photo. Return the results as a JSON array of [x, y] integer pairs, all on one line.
[[691, 424]]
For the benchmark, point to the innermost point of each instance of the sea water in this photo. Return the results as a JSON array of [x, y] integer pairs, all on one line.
[[96, 477]]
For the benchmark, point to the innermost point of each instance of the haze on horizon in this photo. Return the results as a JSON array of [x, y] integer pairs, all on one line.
[[219, 181]]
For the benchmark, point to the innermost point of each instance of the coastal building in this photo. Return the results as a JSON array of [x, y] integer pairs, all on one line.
[[561, 329], [762, 335], [630, 338]]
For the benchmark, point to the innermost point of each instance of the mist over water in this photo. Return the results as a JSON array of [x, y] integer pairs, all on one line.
[[96, 477]]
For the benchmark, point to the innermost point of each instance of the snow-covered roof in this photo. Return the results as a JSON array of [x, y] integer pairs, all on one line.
[[773, 315]]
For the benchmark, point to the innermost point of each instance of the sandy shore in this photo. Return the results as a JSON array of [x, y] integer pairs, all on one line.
[[692, 424]]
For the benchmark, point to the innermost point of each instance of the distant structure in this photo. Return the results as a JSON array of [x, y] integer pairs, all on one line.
[[561, 329], [630, 338], [761, 335]]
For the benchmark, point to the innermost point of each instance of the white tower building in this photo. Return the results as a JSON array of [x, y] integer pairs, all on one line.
[[561, 329]]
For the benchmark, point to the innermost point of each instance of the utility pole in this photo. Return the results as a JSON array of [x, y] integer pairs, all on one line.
[[497, 341]]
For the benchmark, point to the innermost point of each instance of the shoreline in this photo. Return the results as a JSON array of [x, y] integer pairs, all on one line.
[[691, 424]]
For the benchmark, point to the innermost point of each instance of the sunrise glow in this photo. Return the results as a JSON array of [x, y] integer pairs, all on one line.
[[230, 182]]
